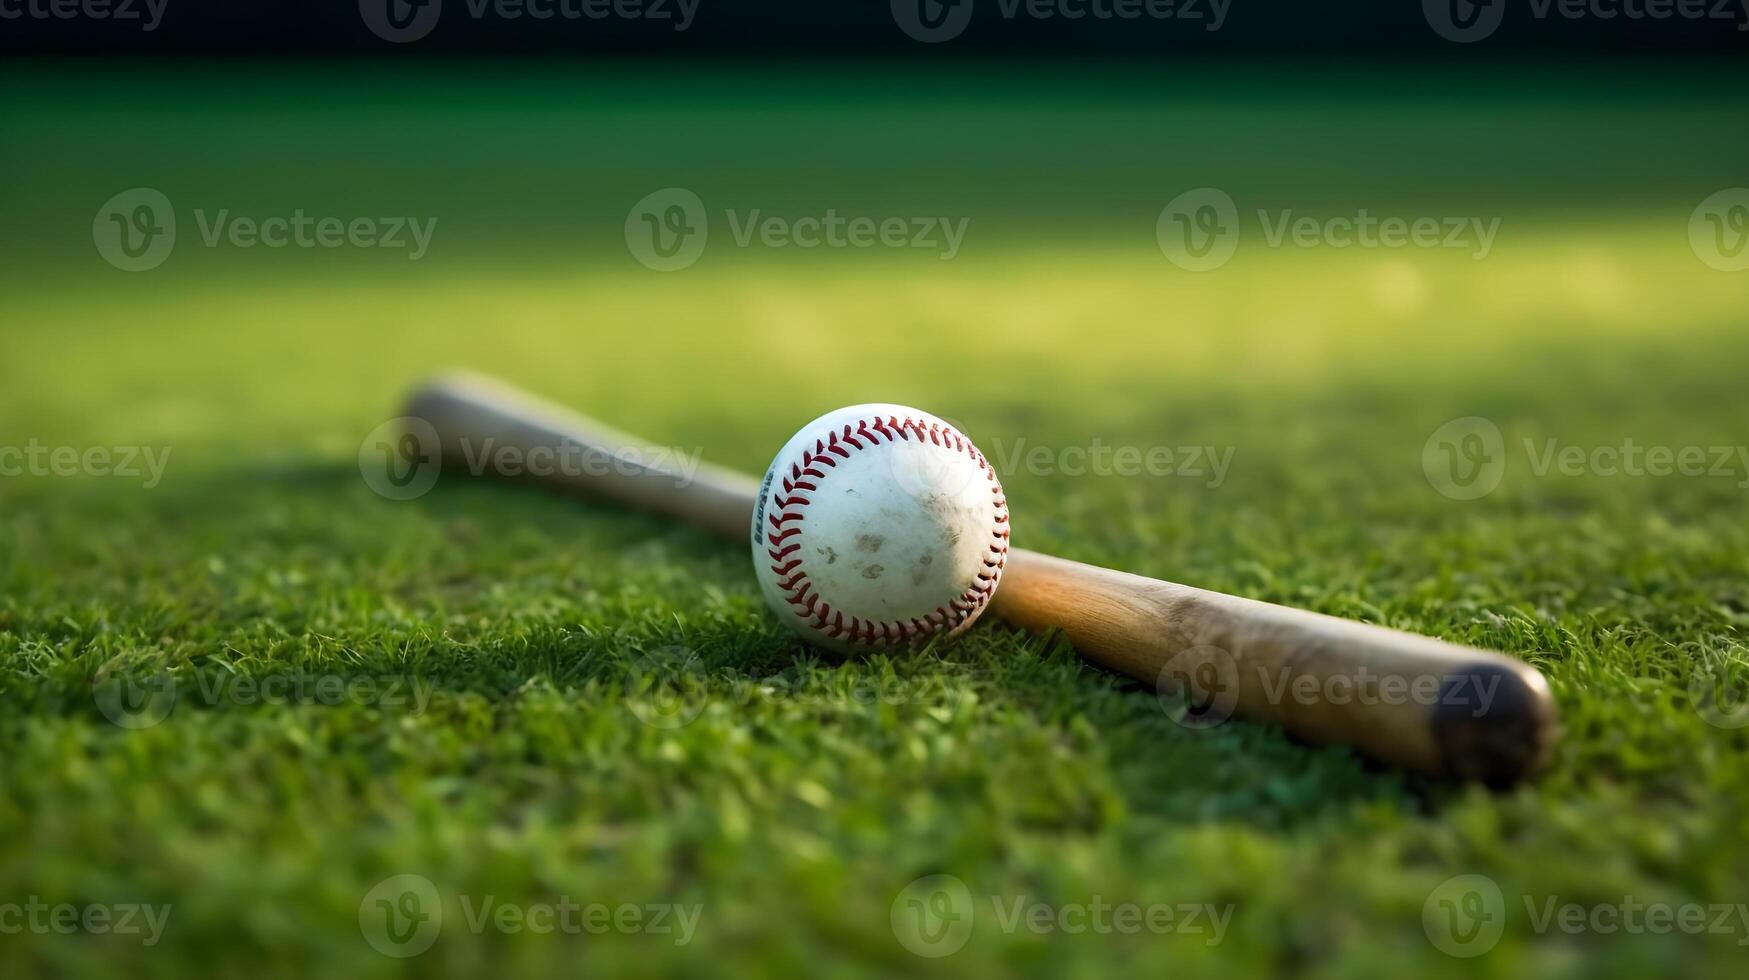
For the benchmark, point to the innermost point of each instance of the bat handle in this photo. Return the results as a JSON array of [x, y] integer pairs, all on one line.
[[1410, 700], [491, 429]]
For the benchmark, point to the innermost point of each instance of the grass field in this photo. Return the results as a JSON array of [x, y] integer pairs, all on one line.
[[513, 763]]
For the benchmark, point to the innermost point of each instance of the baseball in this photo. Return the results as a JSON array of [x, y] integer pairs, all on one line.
[[879, 525]]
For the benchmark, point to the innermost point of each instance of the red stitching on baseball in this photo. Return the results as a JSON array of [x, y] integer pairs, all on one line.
[[807, 604]]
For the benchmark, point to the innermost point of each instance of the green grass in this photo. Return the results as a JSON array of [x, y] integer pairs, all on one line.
[[805, 794]]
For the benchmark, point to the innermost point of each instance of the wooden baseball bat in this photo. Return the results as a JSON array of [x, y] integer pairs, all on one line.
[[1404, 699]]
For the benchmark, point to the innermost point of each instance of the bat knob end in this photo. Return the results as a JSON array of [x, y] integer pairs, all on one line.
[[1494, 723]]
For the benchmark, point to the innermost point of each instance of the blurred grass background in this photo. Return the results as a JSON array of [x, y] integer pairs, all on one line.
[[797, 819]]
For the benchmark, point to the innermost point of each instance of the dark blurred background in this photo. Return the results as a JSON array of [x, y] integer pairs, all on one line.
[[1407, 28]]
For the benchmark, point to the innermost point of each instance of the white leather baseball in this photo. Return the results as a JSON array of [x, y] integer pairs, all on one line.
[[878, 525]]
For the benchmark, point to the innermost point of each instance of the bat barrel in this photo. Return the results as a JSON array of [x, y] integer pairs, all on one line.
[[1406, 699]]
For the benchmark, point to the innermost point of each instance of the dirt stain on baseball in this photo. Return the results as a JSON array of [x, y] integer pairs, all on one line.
[[872, 571], [870, 543]]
